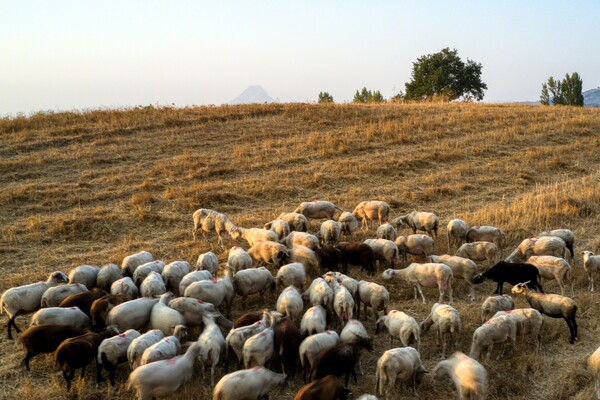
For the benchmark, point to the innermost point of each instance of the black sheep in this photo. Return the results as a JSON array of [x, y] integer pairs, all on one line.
[[512, 273]]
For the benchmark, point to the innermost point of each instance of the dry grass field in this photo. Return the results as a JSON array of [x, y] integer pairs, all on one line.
[[93, 187]]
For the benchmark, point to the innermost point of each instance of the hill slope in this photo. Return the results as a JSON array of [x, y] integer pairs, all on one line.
[[94, 187], [253, 95], [591, 97]]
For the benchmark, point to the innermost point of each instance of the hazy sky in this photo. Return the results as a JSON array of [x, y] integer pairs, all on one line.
[[63, 55]]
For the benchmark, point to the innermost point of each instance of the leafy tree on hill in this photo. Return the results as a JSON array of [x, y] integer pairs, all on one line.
[[325, 97], [568, 92], [367, 96], [444, 74]]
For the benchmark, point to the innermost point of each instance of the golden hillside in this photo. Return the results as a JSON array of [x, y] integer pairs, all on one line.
[[93, 187]]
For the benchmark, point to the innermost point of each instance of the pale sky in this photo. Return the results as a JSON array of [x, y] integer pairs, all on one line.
[[65, 55]]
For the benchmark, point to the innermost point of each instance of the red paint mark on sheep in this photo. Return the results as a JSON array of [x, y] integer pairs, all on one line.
[[355, 323], [171, 361], [263, 333], [121, 335], [73, 308], [328, 332], [199, 302]]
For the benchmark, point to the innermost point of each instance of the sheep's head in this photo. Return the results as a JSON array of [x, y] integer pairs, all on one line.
[[479, 278], [60, 277], [387, 274], [520, 288]]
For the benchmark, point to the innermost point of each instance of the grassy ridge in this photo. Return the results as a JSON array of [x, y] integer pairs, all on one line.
[[94, 187]]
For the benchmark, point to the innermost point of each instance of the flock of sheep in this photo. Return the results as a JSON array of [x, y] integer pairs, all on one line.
[[141, 312]]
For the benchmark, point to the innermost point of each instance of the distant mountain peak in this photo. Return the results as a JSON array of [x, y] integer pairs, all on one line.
[[253, 94], [591, 98]]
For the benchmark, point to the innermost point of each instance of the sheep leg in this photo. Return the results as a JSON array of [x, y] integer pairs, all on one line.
[[365, 311], [489, 352], [26, 361], [421, 293], [99, 377]]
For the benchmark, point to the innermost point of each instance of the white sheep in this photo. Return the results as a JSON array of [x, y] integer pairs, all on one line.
[[166, 348], [415, 245], [173, 273], [254, 280], [290, 303], [212, 343], [142, 271], [126, 287], [593, 364], [330, 232], [55, 294], [447, 322], [313, 321], [247, 384], [552, 305], [239, 259], [317, 209], [301, 239], [425, 275], [354, 332], [113, 351], [493, 304], [259, 348], [538, 246], [131, 262], [193, 310], [291, 274], [468, 375], [153, 285], [372, 210], [107, 275], [553, 268], [85, 275], [400, 326], [419, 221], [373, 295], [62, 316], [591, 264], [306, 257], [237, 337], [312, 346], [296, 221], [138, 345], [567, 236], [386, 231], [163, 317], [400, 365], [208, 261], [206, 220], [219, 292], [343, 304], [479, 251], [462, 268], [384, 250], [253, 235], [486, 233], [27, 298], [351, 284], [348, 223], [268, 252], [133, 314], [319, 293], [192, 277], [496, 330], [163, 378], [279, 226], [456, 233], [529, 323]]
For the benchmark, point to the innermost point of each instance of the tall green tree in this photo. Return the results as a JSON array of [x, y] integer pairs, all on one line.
[[367, 96], [572, 90], [444, 74], [325, 97], [568, 92]]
